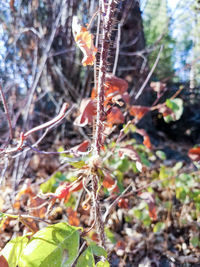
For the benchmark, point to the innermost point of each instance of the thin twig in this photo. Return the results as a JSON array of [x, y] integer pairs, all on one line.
[[6, 111], [117, 49], [149, 75], [43, 62]]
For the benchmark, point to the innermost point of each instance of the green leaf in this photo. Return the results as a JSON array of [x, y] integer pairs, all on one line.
[[110, 235], [160, 154], [177, 166], [159, 227], [195, 241], [56, 245], [13, 250], [50, 185], [97, 250], [86, 259], [78, 164], [103, 264], [176, 105]]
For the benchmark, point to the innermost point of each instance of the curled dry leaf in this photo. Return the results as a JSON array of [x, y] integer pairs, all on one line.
[[87, 112], [115, 116], [138, 111], [194, 154], [146, 139], [114, 86], [84, 40], [73, 217], [81, 147], [108, 182]]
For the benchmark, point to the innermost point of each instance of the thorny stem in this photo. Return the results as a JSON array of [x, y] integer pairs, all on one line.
[[108, 8], [106, 32]]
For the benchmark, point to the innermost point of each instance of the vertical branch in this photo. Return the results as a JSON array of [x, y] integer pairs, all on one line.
[[107, 9], [107, 21], [6, 111]]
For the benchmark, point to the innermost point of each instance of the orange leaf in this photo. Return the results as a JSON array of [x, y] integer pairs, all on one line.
[[114, 86], [194, 153], [108, 182], [84, 40], [72, 217], [87, 112], [115, 116], [146, 139], [138, 111]]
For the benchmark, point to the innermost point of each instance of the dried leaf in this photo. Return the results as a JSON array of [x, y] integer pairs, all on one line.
[[72, 217], [87, 112], [81, 147], [115, 116], [123, 203], [84, 40], [138, 111], [108, 182], [146, 139]]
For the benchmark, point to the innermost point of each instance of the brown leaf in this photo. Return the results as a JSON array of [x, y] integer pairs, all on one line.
[[81, 147], [73, 217], [138, 111], [115, 116], [146, 139], [108, 182], [87, 112]]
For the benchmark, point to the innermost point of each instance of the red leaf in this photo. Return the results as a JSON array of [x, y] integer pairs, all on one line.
[[123, 203], [108, 182], [87, 112], [81, 147], [138, 111], [3, 262], [150, 200], [62, 191], [115, 116], [194, 153]]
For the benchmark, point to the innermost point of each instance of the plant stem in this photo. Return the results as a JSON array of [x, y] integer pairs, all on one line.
[[107, 8], [106, 33]]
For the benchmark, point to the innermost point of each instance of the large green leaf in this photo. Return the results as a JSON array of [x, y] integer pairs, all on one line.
[[87, 257], [13, 250], [56, 245], [103, 264]]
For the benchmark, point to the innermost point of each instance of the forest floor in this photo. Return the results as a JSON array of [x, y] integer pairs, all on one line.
[[157, 223]]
